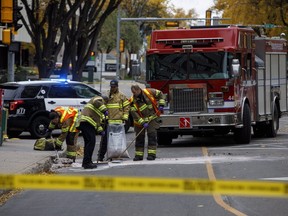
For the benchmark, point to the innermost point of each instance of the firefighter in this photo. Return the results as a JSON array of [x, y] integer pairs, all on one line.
[[118, 107], [90, 123], [65, 119], [146, 106]]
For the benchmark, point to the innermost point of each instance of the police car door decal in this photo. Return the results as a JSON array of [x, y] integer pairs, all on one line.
[[60, 96]]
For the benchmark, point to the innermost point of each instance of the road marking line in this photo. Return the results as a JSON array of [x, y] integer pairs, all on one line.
[[173, 161], [218, 198], [276, 179], [261, 148]]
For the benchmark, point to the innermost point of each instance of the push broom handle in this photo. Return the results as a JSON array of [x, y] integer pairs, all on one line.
[[131, 142]]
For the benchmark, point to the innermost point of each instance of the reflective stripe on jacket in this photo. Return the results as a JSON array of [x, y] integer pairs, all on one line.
[[67, 122], [118, 108], [93, 113], [145, 108]]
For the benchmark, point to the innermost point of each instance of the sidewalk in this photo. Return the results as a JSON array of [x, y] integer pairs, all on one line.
[[18, 156]]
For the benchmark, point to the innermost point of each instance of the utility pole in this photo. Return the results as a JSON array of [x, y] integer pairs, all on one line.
[[118, 44], [11, 63]]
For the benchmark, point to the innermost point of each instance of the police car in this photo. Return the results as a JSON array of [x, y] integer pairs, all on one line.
[[29, 103]]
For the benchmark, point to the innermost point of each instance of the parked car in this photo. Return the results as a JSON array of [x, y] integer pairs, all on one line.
[[29, 103]]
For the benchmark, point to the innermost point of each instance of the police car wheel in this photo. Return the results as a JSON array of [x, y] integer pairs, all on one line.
[[39, 126]]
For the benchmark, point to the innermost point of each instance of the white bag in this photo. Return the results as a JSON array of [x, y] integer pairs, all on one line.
[[116, 141]]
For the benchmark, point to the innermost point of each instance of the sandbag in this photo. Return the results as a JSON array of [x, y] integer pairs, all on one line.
[[44, 144], [116, 141]]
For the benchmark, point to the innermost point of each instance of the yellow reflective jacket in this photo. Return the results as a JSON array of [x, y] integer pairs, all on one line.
[[67, 123], [118, 107], [144, 107], [93, 113]]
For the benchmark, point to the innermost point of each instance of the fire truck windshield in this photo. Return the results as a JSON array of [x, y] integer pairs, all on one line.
[[183, 66]]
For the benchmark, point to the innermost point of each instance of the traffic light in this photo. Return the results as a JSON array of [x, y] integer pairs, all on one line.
[[6, 11], [98, 45], [6, 36], [208, 17], [122, 45], [92, 56], [16, 15]]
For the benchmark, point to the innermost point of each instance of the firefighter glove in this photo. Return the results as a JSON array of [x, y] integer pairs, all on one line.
[[106, 113], [161, 109], [145, 125], [58, 147]]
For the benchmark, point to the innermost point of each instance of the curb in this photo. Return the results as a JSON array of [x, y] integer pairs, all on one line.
[[39, 167]]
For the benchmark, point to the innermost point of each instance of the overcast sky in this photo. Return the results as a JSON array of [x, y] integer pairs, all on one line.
[[199, 5]]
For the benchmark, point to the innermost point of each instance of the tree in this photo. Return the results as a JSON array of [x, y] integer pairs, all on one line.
[[146, 8], [129, 32], [107, 39], [47, 26], [256, 12], [73, 23], [83, 33]]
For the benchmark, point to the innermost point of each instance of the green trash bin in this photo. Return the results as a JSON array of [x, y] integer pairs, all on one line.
[[3, 129]]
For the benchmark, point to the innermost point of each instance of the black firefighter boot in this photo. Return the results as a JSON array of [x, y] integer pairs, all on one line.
[[138, 158], [151, 157]]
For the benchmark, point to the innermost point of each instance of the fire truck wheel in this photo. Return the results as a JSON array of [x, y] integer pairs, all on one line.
[[273, 126], [164, 139], [243, 135]]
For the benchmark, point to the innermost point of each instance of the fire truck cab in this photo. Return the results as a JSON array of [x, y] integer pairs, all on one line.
[[218, 79]]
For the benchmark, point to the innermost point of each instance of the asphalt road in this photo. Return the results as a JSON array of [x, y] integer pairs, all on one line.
[[263, 159], [220, 158]]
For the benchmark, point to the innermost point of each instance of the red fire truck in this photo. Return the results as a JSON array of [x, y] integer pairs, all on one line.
[[218, 80]]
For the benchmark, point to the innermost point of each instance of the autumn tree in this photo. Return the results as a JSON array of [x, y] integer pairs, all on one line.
[[180, 13], [256, 12], [145, 8], [129, 32]]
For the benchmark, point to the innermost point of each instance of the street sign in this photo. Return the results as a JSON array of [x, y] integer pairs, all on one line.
[[269, 25], [184, 122]]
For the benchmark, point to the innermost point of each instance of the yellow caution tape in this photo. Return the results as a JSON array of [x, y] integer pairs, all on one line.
[[183, 186]]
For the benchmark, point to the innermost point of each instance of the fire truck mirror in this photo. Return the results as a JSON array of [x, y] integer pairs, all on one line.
[[236, 67]]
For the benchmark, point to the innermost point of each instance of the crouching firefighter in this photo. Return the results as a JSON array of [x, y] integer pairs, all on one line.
[[65, 119], [146, 107]]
